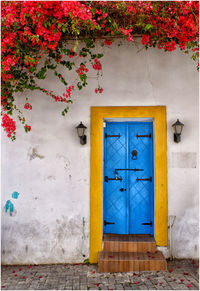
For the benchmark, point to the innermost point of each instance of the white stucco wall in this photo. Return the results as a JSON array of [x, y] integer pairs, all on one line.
[[51, 170]]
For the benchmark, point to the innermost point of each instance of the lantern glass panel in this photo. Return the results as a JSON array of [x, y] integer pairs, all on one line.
[[178, 129], [81, 131]]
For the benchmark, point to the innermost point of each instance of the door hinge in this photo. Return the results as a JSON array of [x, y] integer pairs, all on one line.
[[146, 135], [107, 222], [147, 223], [108, 135], [146, 179]]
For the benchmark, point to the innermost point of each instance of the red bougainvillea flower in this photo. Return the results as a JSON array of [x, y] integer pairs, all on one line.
[[28, 106], [145, 39], [98, 90], [170, 270], [189, 285], [108, 42], [23, 277], [97, 65], [27, 128], [9, 125], [29, 27]]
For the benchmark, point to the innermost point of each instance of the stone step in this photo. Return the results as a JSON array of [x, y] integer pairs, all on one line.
[[131, 261]]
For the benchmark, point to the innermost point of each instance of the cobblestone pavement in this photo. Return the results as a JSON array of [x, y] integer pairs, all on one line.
[[181, 275]]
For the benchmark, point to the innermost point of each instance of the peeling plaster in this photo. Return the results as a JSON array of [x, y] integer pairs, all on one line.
[[33, 154]]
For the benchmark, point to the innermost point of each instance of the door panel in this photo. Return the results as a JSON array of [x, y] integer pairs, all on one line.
[[128, 200], [141, 191], [115, 202]]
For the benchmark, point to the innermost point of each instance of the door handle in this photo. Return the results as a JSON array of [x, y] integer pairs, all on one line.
[[113, 179]]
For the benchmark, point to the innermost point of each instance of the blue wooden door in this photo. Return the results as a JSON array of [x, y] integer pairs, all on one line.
[[128, 205]]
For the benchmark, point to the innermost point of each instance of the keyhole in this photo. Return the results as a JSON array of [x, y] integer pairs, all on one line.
[[134, 155]]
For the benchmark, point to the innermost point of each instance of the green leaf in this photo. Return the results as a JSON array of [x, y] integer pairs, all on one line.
[[194, 57], [64, 112], [99, 56], [86, 261], [63, 29], [148, 26]]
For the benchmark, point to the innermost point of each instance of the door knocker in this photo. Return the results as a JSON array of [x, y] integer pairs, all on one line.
[[134, 155]]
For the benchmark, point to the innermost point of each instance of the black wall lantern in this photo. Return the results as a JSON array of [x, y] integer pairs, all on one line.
[[81, 133], [178, 127]]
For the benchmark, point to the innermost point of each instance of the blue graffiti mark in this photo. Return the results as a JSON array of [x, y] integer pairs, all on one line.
[[15, 195], [9, 206]]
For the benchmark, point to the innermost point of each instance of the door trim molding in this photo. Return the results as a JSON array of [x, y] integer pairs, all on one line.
[[98, 114]]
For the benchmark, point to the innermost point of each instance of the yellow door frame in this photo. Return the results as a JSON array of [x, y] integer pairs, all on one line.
[[98, 114]]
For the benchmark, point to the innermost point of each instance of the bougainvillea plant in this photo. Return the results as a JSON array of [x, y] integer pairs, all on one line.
[[36, 34]]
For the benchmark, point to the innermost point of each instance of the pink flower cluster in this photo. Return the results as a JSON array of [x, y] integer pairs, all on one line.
[[170, 46], [127, 32], [72, 53], [108, 42], [28, 106], [145, 39], [97, 65], [27, 128], [98, 90], [9, 125], [82, 69]]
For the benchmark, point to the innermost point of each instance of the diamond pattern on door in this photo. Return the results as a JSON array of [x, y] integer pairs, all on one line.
[[127, 209]]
